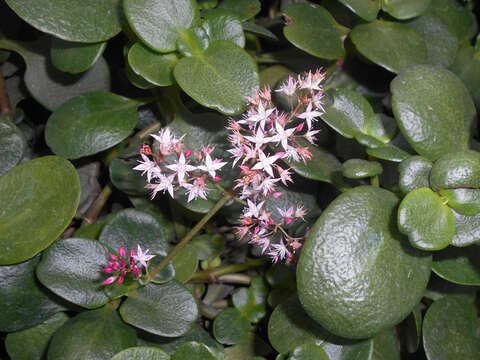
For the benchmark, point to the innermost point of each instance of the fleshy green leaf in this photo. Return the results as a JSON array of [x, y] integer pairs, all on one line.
[[164, 275], [196, 351], [230, 326], [154, 67], [388, 152], [433, 122], [243, 9], [221, 25], [458, 265], [73, 57], [251, 302], [96, 335], [405, 9], [459, 169], [308, 351], [132, 227], [360, 169], [467, 230], [385, 346], [208, 246], [311, 28], [464, 201], [32, 343], [12, 144], [90, 123], [185, 263], [27, 302], [441, 43], [467, 68], [394, 46], [38, 200], [158, 23], [73, 269], [427, 221], [49, 86], [449, 330], [220, 78], [366, 9], [87, 21], [167, 310], [125, 179], [414, 173], [389, 277], [142, 353]]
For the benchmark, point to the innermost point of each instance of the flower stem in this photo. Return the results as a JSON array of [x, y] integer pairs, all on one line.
[[235, 198], [97, 206], [241, 279], [5, 106], [374, 181], [189, 236], [227, 269]]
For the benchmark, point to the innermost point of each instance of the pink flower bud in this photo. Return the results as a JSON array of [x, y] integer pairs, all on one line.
[[120, 280], [121, 251], [108, 270], [277, 194], [109, 280], [132, 253], [288, 220], [217, 179], [188, 152], [280, 154], [113, 256], [300, 127]]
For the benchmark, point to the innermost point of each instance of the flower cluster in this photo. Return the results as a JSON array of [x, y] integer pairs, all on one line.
[[260, 140], [119, 266], [168, 167]]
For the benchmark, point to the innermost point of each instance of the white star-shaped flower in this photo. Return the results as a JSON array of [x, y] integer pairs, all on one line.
[[309, 115], [253, 209], [148, 166], [181, 168], [311, 82], [165, 140], [142, 257], [259, 139], [195, 190], [237, 153], [282, 135], [211, 166], [265, 162], [261, 116], [267, 185], [288, 88], [278, 252], [165, 184]]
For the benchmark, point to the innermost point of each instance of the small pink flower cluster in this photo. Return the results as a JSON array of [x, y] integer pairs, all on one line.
[[261, 139], [168, 167], [119, 267]]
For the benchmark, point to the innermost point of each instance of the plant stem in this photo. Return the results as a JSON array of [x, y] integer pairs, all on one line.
[[97, 206], [374, 181], [227, 269], [189, 236], [235, 198], [241, 279], [145, 132], [5, 106]]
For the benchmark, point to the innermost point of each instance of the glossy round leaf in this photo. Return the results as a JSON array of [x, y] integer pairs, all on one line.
[[360, 169], [230, 326], [464, 201], [96, 335], [158, 22], [154, 67], [86, 21], [142, 353], [167, 310], [125, 179], [32, 343], [73, 269], [308, 351], [196, 351], [73, 57], [433, 122], [12, 145], [312, 29], [243, 9], [394, 46], [449, 330], [427, 221], [207, 246], [405, 9], [221, 25], [357, 275], [366, 9], [458, 265], [385, 346], [456, 170], [48, 85], [185, 263], [130, 228], [164, 275], [90, 123], [467, 230], [289, 326], [38, 200], [221, 78], [467, 68], [27, 302], [388, 152], [442, 44], [414, 173]]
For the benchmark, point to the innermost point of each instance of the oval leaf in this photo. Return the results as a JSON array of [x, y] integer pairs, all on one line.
[[196, 351], [167, 310], [230, 326], [464, 201], [73, 269], [142, 353], [467, 230], [12, 145], [86, 21], [433, 122], [427, 221], [414, 173], [458, 265], [405, 9], [90, 123], [221, 25], [456, 170], [223, 69], [394, 46], [311, 28], [75, 58], [387, 280], [366, 9], [360, 169], [243, 9], [38, 200]]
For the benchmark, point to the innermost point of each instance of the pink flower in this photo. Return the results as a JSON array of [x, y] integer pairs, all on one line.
[[265, 162], [211, 166], [181, 168], [309, 115]]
